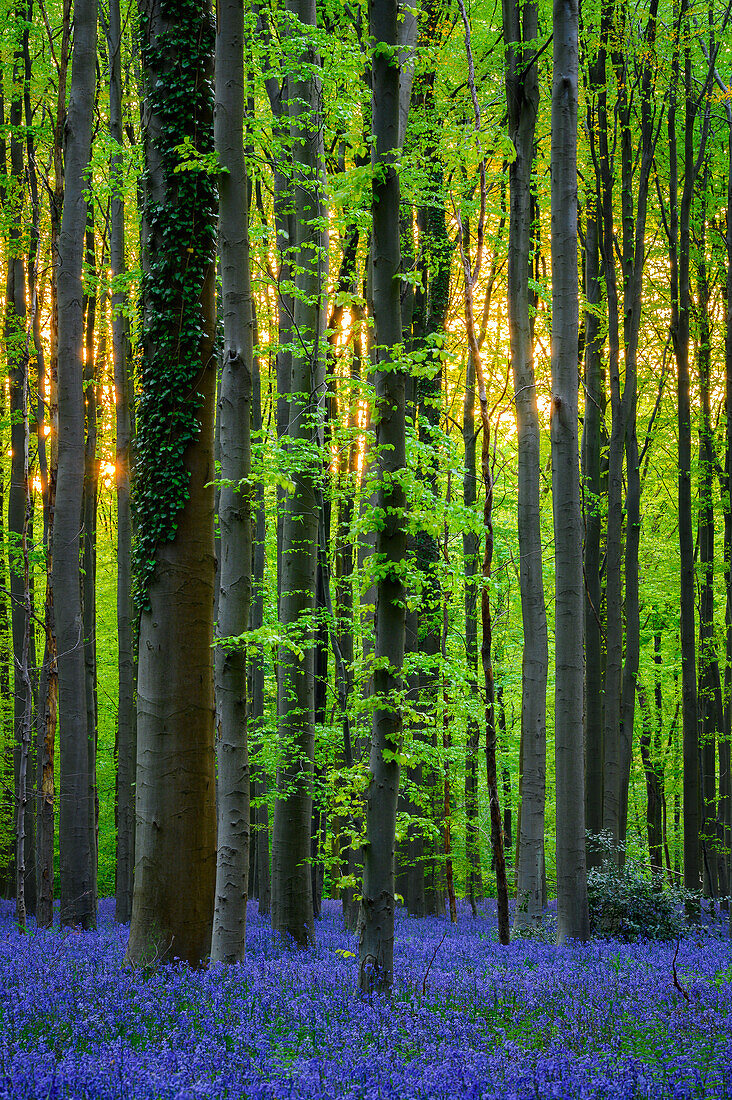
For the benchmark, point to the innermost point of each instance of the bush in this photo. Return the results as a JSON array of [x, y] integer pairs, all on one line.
[[626, 904]]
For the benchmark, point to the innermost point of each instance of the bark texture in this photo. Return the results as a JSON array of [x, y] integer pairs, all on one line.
[[78, 901], [235, 566], [572, 909], [175, 847], [376, 946]]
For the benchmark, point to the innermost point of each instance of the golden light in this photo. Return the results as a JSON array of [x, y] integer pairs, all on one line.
[[108, 471]]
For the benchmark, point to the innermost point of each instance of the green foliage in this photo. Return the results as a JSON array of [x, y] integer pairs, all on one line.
[[626, 904], [182, 226]]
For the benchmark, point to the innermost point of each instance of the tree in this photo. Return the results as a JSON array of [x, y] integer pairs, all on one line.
[[376, 943], [292, 900], [175, 846], [235, 567], [78, 900], [572, 910], [522, 95]]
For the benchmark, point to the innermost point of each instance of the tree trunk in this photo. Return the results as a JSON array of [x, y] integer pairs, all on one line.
[[78, 902], [592, 444], [572, 910], [256, 660], [522, 96], [474, 880], [679, 231], [126, 732], [235, 565], [292, 903], [89, 541], [376, 944], [48, 688], [175, 844]]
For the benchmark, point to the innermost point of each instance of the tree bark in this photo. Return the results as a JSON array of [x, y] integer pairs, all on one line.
[[572, 909], [235, 568], [126, 732], [522, 97], [376, 945], [175, 844], [89, 540], [78, 902], [292, 903]]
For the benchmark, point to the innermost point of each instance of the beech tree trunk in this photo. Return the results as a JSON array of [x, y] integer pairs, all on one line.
[[126, 733], [572, 908], [48, 688], [592, 442], [376, 945], [175, 844], [292, 901], [78, 901], [89, 539], [235, 565], [522, 96]]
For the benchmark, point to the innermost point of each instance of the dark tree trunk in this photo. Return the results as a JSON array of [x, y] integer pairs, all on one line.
[[654, 790], [292, 905], [572, 910], [710, 715], [593, 440], [175, 843], [78, 901], [126, 739], [679, 241], [16, 346], [256, 662], [376, 945], [89, 541], [48, 688], [474, 881]]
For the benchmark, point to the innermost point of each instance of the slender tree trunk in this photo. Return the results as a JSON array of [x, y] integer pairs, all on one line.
[[48, 691], [235, 570], [572, 909], [376, 945], [256, 661], [592, 443], [710, 719], [680, 303], [78, 902], [16, 345], [126, 732], [611, 811], [474, 883], [292, 903], [89, 541], [653, 790], [175, 843], [522, 96]]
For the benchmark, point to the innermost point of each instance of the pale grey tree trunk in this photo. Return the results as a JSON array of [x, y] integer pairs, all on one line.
[[235, 563], [572, 909], [78, 903]]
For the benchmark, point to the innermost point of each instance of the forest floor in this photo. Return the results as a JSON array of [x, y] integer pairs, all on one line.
[[531, 1020]]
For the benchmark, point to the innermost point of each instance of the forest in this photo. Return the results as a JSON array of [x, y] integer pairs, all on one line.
[[365, 549]]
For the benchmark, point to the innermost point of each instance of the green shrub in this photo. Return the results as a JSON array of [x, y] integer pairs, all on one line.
[[627, 904]]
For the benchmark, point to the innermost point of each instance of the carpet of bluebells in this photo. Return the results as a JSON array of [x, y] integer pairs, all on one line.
[[532, 1021]]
